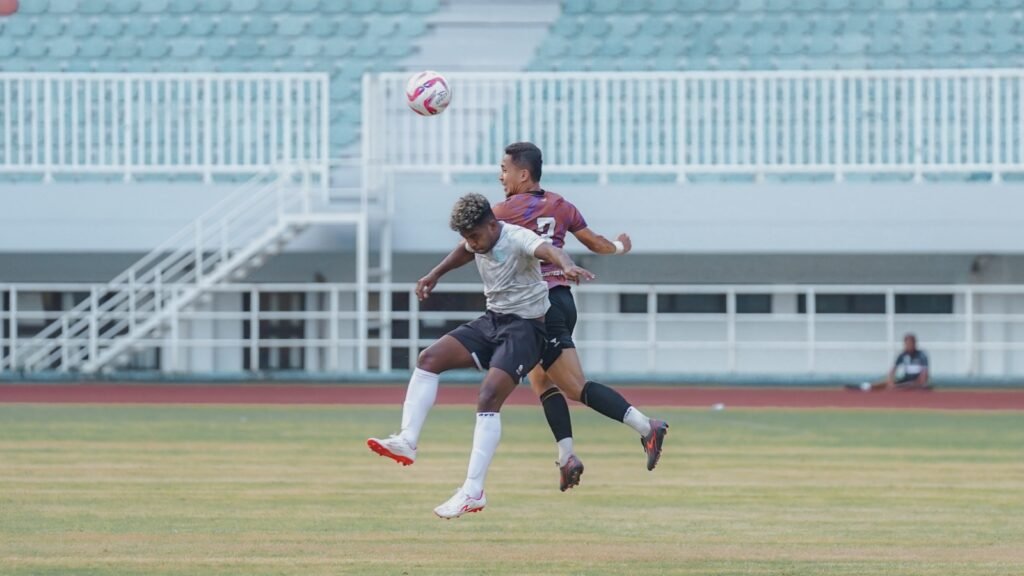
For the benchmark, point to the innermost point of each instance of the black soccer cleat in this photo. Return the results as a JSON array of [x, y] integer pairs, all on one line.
[[652, 442], [570, 473]]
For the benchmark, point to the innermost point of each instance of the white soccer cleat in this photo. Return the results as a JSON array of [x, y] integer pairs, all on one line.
[[459, 504], [394, 447]]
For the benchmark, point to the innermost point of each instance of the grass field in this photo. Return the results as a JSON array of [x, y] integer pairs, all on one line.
[[275, 490]]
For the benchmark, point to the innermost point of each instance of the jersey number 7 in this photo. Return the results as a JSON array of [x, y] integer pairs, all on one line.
[[546, 227]]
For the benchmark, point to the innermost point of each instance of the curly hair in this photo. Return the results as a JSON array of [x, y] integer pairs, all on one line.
[[469, 212]]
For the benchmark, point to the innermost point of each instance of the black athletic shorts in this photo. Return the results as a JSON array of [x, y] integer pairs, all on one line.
[[559, 323], [504, 341]]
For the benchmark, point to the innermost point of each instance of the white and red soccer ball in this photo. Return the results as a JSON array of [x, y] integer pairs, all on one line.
[[428, 93]]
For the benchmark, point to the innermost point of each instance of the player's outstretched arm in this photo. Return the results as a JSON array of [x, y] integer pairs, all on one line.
[[457, 258], [558, 257], [600, 245]]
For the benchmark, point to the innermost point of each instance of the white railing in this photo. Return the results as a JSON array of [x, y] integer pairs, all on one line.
[[912, 122], [979, 337], [208, 124], [221, 242]]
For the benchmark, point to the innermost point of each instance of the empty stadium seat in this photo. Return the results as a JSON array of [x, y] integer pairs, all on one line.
[[768, 34]]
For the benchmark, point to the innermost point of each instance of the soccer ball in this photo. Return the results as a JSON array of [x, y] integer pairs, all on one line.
[[427, 93]]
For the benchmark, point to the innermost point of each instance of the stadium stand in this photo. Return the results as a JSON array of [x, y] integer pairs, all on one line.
[[342, 38], [783, 35]]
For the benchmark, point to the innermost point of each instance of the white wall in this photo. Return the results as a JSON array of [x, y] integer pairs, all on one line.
[[758, 219], [829, 218]]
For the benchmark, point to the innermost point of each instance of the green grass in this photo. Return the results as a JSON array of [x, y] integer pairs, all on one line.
[[293, 490]]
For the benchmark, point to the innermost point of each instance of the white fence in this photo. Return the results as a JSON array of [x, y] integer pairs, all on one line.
[[129, 124], [789, 122], [315, 328]]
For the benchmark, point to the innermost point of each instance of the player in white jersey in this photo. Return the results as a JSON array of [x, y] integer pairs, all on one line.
[[507, 341]]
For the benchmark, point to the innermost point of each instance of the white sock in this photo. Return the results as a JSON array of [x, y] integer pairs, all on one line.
[[485, 442], [419, 397], [636, 420], [564, 450]]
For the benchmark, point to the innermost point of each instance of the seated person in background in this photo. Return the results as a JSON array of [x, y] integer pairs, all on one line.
[[909, 372]]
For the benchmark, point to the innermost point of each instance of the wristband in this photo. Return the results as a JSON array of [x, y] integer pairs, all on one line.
[[619, 247]]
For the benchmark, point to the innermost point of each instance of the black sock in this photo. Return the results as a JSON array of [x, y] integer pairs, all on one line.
[[556, 410], [604, 400]]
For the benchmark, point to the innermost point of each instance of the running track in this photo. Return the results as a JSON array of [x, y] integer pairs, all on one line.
[[461, 394]]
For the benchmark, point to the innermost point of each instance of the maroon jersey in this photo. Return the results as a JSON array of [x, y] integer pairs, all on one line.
[[548, 215]]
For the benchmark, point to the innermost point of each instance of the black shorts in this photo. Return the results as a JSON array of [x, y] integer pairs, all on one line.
[[504, 341], [559, 323]]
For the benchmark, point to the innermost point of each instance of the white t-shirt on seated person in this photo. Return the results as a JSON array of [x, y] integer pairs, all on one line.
[[511, 274]]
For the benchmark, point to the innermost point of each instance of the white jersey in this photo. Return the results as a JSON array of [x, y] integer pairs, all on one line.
[[511, 274]]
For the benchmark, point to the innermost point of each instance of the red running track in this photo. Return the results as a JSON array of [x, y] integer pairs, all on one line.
[[460, 394]]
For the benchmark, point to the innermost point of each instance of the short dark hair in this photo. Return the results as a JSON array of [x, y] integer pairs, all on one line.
[[526, 155], [469, 212]]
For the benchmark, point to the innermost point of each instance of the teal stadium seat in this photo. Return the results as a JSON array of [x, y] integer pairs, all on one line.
[[244, 6], [565, 27], [397, 50], [185, 48], [8, 47], [971, 45], [155, 49], [596, 27], [1004, 44], [605, 6], [367, 50], [613, 47], [661, 6], [337, 48], [351, 28], [184, 6], [381, 29], [18, 27], [576, 6], [653, 27], [33, 50], [213, 6], [306, 48], [170, 27], [321, 28], [362, 6], [246, 48], [125, 48], [395, 7], [92, 8], [643, 47], [216, 48], [411, 28], [820, 45], [882, 44], [303, 6], [49, 28], [154, 6], [424, 6], [721, 5], [262, 27], [751, 6], [200, 27], [292, 26], [36, 7], [63, 6], [633, 7]]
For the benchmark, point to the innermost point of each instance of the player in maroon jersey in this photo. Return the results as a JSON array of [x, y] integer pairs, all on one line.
[[552, 216], [560, 373]]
